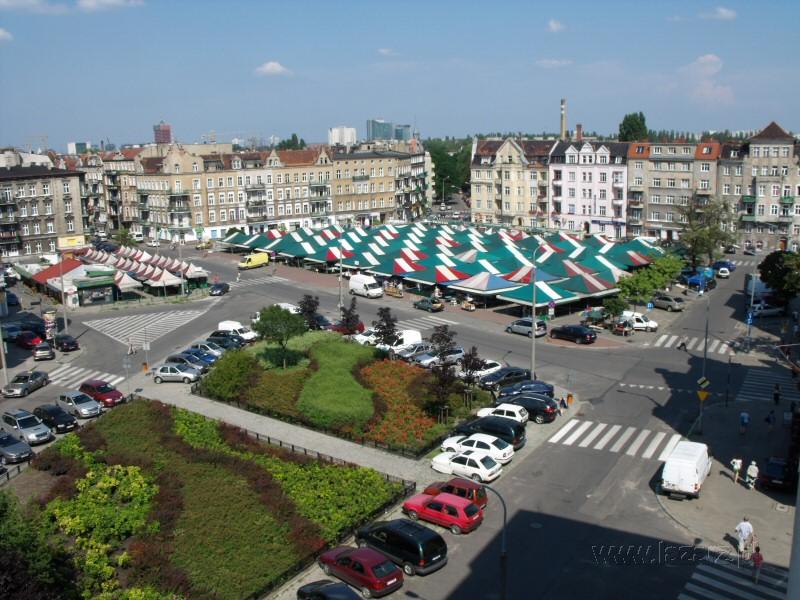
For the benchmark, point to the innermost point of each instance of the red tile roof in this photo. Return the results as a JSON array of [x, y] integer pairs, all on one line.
[[69, 264], [639, 150], [291, 158], [152, 164], [707, 150]]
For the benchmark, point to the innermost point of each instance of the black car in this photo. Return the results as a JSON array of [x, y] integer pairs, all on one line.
[[322, 323], [325, 589], [534, 386], [219, 333], [34, 325], [510, 431], [412, 546], [777, 475], [66, 343], [541, 409], [11, 299], [229, 342], [56, 418], [219, 289], [504, 377], [580, 334]]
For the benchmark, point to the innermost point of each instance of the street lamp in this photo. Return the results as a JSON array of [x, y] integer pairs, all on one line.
[[533, 315], [63, 293], [503, 553], [341, 272]]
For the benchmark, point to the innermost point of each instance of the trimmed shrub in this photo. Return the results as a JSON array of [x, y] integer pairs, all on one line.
[[231, 375], [277, 390]]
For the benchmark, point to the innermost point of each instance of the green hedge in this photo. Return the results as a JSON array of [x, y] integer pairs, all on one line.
[[231, 375]]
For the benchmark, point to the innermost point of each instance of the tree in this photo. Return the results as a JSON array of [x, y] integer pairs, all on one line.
[[443, 339], [665, 269], [633, 127], [615, 306], [308, 309], [440, 387], [350, 318], [278, 325], [703, 232], [385, 327], [293, 143], [781, 272], [470, 364], [123, 237], [638, 287]]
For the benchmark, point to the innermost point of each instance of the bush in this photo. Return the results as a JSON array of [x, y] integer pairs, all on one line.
[[231, 375], [277, 390]]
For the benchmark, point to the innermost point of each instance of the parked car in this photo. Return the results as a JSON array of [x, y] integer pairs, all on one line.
[[209, 347], [503, 377], [340, 327], [102, 392], [412, 546], [25, 383], [487, 368], [55, 417], [639, 321], [507, 430], [326, 589], [367, 338], [762, 309], [25, 427], [464, 488], [532, 386], [153, 243], [474, 465], [12, 299], [66, 343], [226, 340], [417, 349], [189, 360], [322, 323], [369, 571], [43, 351], [459, 515], [429, 304], [498, 449], [668, 303], [525, 327], [508, 411], [724, 264], [579, 334], [292, 308], [541, 409], [428, 360], [28, 340], [723, 273], [35, 325], [12, 450], [79, 404], [175, 372], [11, 332], [219, 289], [777, 474], [206, 357], [751, 251]]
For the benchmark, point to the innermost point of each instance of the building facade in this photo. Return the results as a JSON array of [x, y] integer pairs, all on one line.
[[162, 133], [342, 136], [378, 129]]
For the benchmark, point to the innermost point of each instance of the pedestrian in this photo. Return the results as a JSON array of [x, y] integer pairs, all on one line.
[[770, 420], [736, 465], [682, 345], [744, 421], [751, 475], [743, 531], [776, 394], [238, 277], [757, 559]]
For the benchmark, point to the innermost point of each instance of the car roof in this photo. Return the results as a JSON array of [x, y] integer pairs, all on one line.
[[17, 413], [73, 393], [94, 382], [453, 499], [49, 408]]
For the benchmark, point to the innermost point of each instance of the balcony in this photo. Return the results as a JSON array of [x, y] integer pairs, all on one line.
[[748, 199], [178, 207], [617, 201], [255, 186], [7, 201], [256, 217], [635, 202], [634, 220], [360, 177], [787, 199], [747, 217], [618, 184], [638, 187], [171, 192], [785, 218], [704, 192]]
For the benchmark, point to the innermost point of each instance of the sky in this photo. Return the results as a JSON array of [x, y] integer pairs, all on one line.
[[91, 70]]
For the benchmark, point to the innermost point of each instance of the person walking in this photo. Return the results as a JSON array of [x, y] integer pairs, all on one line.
[[758, 560], [682, 345], [736, 465], [744, 421], [770, 420], [776, 394], [751, 475], [238, 277], [743, 531]]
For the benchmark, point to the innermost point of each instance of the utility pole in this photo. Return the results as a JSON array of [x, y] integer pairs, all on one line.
[[3, 356], [533, 315], [705, 357], [63, 292], [341, 275]]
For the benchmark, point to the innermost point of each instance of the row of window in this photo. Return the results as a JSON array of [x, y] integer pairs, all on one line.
[[526, 174], [32, 209], [775, 210], [618, 177], [748, 228], [767, 151], [30, 190], [35, 228]]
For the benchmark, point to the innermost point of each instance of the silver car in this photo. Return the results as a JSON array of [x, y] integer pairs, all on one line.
[[428, 359], [525, 327], [25, 383], [668, 303], [43, 351], [414, 350], [79, 405], [12, 450], [25, 427], [175, 372], [209, 348]]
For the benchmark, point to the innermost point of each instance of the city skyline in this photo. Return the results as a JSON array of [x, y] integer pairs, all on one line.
[[102, 69]]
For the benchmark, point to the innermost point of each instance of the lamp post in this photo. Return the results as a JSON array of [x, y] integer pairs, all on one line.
[[705, 357], [443, 181], [341, 275], [533, 315], [750, 307], [503, 553], [63, 292]]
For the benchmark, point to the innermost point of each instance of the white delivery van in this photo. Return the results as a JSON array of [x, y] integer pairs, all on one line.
[[239, 329], [405, 337], [365, 285], [685, 469], [640, 322]]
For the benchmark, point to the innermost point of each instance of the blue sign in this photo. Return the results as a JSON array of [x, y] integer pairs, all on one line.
[[551, 304], [749, 318], [649, 306]]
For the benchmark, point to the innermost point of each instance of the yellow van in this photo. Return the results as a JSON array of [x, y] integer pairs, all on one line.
[[252, 261]]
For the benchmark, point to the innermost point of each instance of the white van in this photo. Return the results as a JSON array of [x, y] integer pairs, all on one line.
[[685, 469], [239, 329], [137, 236], [365, 285], [405, 337], [640, 322]]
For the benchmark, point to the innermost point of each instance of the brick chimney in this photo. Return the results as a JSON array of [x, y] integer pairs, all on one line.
[[578, 132]]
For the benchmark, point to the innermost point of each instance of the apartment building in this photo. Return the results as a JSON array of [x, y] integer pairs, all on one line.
[[93, 200], [509, 181], [588, 187], [413, 186], [364, 184], [122, 201]]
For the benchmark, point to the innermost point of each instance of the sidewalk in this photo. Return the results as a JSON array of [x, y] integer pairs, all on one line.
[[722, 504]]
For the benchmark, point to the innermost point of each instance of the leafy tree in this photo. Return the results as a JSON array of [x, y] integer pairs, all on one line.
[[308, 309], [665, 269], [278, 325], [781, 272], [293, 143], [633, 127], [470, 364], [385, 327], [615, 305], [703, 232], [443, 339], [230, 376], [124, 237], [638, 287], [451, 157], [350, 318], [440, 388]]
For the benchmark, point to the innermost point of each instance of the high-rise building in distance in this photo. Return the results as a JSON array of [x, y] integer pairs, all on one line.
[[378, 129], [162, 133], [342, 136], [402, 132]]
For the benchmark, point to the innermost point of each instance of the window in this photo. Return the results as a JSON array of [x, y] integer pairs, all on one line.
[[762, 190], [212, 216], [49, 226], [66, 186], [656, 150], [726, 188], [51, 245], [737, 189], [46, 189], [776, 190], [655, 216], [760, 210], [70, 225], [209, 183], [773, 209], [230, 181], [655, 199], [602, 210], [705, 167], [36, 228], [638, 164], [602, 194], [221, 182], [670, 217], [211, 200], [195, 167], [38, 247], [48, 207], [671, 183], [704, 185], [34, 209], [67, 206], [756, 151], [196, 199], [657, 182], [230, 197], [26, 230], [726, 170], [637, 180]]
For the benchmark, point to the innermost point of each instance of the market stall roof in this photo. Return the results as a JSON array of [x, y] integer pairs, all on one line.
[[587, 285], [545, 293], [56, 270], [237, 238], [125, 282], [484, 284], [523, 275]]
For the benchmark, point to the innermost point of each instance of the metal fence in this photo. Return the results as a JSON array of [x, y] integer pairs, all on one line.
[[12, 471]]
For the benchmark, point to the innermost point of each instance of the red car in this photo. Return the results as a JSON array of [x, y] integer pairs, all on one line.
[[340, 327], [464, 488], [364, 568], [28, 339], [102, 392], [458, 514]]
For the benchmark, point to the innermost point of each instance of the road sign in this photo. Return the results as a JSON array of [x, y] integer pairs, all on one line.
[[750, 318], [703, 382], [551, 304], [126, 363], [146, 346], [649, 306], [702, 394]]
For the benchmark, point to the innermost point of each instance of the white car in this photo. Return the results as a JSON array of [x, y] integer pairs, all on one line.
[[292, 308], [762, 309], [509, 411], [489, 366], [723, 273], [499, 450], [477, 466], [366, 338], [153, 243]]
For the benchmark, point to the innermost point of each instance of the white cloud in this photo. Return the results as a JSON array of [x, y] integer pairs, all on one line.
[[721, 14], [271, 68], [42, 7], [553, 63], [98, 5], [554, 26], [5, 35], [386, 52], [700, 80]]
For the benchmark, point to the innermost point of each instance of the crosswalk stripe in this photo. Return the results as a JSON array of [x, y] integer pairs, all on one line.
[[607, 437], [729, 589], [723, 348], [415, 323], [624, 438], [704, 593], [650, 450], [638, 442], [116, 380], [690, 344], [84, 377], [577, 433], [66, 373], [563, 431], [673, 441], [660, 340], [592, 434], [441, 320], [61, 369], [671, 341], [713, 346], [775, 578]]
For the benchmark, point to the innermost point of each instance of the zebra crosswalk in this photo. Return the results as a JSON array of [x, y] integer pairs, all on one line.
[[745, 263], [422, 323], [247, 282], [72, 377], [759, 383], [721, 578], [617, 439], [692, 344], [147, 327]]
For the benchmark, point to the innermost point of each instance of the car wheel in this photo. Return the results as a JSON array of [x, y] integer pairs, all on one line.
[[366, 592], [552, 335], [361, 543], [187, 380], [412, 514], [449, 450], [326, 568], [508, 330], [669, 308], [530, 333], [579, 340], [158, 379], [408, 569], [476, 477]]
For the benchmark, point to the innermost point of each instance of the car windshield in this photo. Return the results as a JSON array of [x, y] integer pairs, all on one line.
[[471, 510], [21, 379], [488, 462], [213, 345], [384, 569], [181, 367], [500, 444], [81, 399], [105, 388], [28, 422]]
